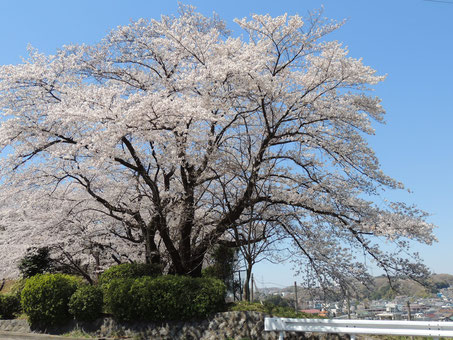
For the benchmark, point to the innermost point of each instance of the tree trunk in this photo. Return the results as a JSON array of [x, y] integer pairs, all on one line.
[[248, 276], [196, 271], [152, 254]]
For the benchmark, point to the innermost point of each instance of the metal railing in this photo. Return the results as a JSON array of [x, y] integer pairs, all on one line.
[[435, 329]]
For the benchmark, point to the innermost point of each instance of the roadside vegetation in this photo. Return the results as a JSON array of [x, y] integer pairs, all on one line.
[[270, 309], [52, 299], [127, 292]]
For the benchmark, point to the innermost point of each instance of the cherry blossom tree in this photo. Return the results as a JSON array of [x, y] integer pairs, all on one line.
[[158, 141], [78, 242]]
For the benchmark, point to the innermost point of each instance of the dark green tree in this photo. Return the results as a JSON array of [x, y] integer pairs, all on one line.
[[223, 260], [36, 261], [279, 301]]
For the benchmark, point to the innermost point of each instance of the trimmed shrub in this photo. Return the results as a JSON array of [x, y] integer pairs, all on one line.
[[129, 271], [209, 297], [9, 306], [119, 301], [86, 303], [163, 298], [143, 297], [45, 298]]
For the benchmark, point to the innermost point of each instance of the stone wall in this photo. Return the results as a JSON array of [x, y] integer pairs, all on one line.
[[17, 325], [221, 326]]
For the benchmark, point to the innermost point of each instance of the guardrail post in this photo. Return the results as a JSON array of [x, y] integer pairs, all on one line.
[[281, 335], [352, 337]]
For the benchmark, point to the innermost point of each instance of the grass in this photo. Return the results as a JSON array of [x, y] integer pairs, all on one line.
[[79, 334], [389, 337], [8, 286], [269, 308]]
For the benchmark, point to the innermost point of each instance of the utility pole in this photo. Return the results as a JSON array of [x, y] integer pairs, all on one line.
[[256, 290], [349, 304], [409, 316], [240, 286], [251, 290], [295, 295]]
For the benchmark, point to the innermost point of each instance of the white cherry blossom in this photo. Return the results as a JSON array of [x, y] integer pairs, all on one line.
[[156, 142]]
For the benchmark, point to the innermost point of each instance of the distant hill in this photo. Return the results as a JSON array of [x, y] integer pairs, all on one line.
[[408, 287], [381, 289], [443, 278]]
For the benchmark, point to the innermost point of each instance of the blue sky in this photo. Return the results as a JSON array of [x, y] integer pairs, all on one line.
[[409, 40]]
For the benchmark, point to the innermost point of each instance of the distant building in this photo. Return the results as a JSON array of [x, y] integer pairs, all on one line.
[[311, 311]]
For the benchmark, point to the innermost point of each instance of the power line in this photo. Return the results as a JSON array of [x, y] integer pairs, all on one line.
[[272, 283], [442, 1]]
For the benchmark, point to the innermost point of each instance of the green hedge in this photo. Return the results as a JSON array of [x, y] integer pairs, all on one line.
[[164, 298], [9, 306], [129, 271], [50, 299], [119, 301], [45, 298], [86, 303]]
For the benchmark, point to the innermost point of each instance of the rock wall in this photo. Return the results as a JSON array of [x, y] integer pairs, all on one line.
[[221, 326], [16, 325]]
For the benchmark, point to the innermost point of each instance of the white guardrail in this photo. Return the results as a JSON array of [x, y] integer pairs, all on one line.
[[435, 329]]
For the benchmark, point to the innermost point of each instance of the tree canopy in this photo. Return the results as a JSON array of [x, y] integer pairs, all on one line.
[[158, 141]]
